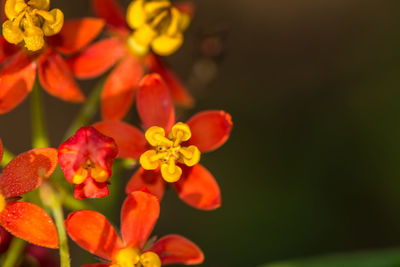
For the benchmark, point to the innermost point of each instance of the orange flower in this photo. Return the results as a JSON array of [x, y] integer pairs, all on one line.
[[168, 152], [19, 66], [140, 211], [22, 175], [86, 159], [120, 86]]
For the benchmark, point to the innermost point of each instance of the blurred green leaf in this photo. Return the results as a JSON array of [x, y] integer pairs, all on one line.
[[384, 258]]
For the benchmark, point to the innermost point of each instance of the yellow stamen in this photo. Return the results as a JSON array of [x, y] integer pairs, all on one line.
[[3, 203], [150, 259], [147, 162], [127, 257], [80, 176], [91, 169]]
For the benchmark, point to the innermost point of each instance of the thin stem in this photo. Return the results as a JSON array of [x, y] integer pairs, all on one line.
[[14, 252], [88, 110], [7, 157], [39, 133]]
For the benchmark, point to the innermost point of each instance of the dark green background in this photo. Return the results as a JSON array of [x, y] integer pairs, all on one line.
[[312, 165]]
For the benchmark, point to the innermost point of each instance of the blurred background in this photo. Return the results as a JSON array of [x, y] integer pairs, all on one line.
[[312, 166]]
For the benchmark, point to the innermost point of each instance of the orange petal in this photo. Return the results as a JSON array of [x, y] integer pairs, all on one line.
[[178, 91], [29, 222], [16, 81], [24, 173], [175, 249], [154, 103], [92, 231], [130, 140], [112, 13], [151, 180], [210, 129], [91, 189], [56, 78], [198, 188], [119, 89], [76, 34], [97, 58], [138, 215]]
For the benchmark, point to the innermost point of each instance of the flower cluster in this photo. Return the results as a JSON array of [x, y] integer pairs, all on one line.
[[165, 150]]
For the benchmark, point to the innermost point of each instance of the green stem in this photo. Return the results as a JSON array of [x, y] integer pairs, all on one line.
[[39, 134], [7, 157], [14, 252], [88, 110]]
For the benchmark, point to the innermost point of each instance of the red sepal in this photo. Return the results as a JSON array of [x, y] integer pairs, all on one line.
[[91, 189]]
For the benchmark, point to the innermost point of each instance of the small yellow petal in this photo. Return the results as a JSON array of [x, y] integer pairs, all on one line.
[[156, 136], [127, 257], [191, 155], [80, 176], [165, 45], [12, 8], [40, 4], [146, 160], [184, 22], [180, 131], [99, 174], [173, 27], [150, 259], [12, 33], [53, 26], [33, 37], [152, 8], [135, 15], [170, 172]]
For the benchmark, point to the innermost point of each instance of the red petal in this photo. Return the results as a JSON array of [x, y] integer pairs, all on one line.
[[154, 103], [29, 222], [112, 13], [175, 249], [210, 129], [138, 215], [16, 81], [92, 231], [97, 58], [130, 140], [24, 173], [56, 78], [178, 91], [119, 89], [151, 180], [198, 188], [91, 189], [76, 34], [6, 49]]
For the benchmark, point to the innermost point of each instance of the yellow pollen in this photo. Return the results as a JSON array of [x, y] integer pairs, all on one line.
[[168, 150], [89, 168], [156, 24], [30, 22], [130, 257], [3, 203]]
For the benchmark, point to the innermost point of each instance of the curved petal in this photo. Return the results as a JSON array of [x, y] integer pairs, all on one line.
[[76, 34], [138, 215], [210, 129], [91, 189], [119, 89], [97, 58], [154, 103], [16, 81], [112, 13], [151, 180], [176, 249], [56, 78], [130, 140], [24, 173], [29, 222], [178, 91], [92, 231], [198, 188]]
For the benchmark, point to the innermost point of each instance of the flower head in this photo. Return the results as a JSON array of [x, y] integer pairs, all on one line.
[[139, 213], [29, 21], [86, 159], [22, 175]]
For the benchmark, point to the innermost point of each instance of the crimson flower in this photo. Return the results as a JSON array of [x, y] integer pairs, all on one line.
[[139, 213], [120, 86], [86, 159], [170, 152], [22, 175], [19, 66]]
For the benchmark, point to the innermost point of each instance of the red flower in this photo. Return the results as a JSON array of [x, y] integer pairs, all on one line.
[[19, 66], [120, 86], [86, 159], [176, 156], [22, 175], [92, 231]]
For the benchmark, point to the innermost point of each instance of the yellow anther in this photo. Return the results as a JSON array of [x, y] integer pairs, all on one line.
[[191, 155], [98, 174], [170, 172], [156, 136], [147, 162], [157, 24], [80, 176], [180, 132], [30, 22], [150, 259], [127, 257], [3, 203]]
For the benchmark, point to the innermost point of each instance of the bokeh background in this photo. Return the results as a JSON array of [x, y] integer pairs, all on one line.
[[312, 166]]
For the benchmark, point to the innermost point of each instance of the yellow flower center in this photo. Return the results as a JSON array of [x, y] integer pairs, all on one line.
[[30, 21], [168, 150], [3, 203], [92, 169], [130, 257], [157, 24]]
